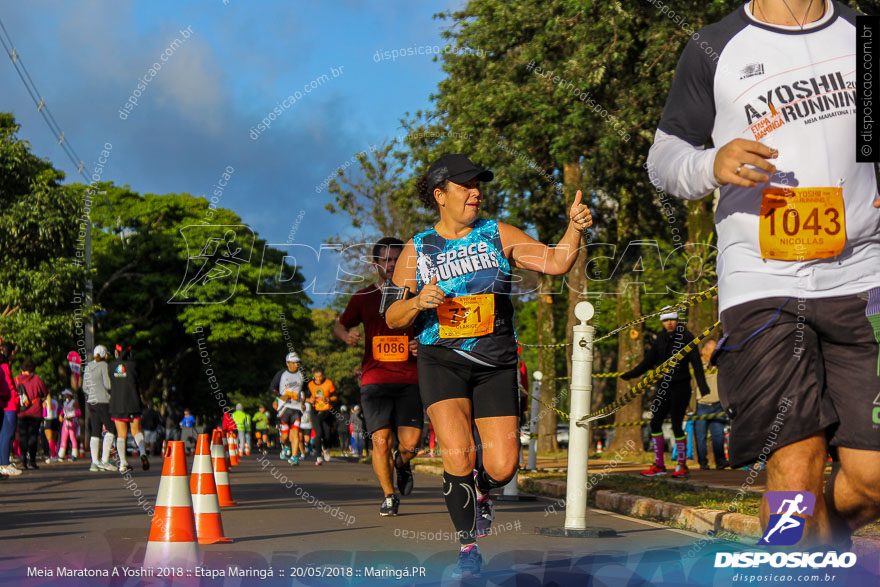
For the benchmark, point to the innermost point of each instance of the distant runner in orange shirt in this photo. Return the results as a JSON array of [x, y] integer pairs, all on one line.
[[322, 395]]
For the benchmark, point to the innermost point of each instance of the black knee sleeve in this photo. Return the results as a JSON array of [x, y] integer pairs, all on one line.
[[485, 482], [461, 502]]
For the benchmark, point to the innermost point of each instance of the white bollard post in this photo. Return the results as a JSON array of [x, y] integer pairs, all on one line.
[[579, 392], [537, 376]]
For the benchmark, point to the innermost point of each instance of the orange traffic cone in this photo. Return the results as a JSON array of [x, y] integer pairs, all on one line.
[[172, 539], [206, 506], [233, 449], [225, 448], [221, 471], [247, 447]]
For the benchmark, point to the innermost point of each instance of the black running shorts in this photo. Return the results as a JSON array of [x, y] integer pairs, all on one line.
[[445, 374], [99, 414], [813, 367], [290, 419], [392, 404]]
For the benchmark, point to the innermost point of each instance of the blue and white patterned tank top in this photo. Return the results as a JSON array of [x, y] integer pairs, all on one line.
[[472, 265]]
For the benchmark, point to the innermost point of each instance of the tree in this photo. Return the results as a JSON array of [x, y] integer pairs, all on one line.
[[378, 197], [41, 276], [229, 333]]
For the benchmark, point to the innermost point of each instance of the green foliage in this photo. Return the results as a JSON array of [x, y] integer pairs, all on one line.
[[142, 257], [39, 274]]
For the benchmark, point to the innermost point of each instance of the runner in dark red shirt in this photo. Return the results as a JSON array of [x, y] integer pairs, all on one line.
[[389, 388]]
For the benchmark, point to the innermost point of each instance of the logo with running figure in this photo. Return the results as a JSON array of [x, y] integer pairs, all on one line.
[[215, 254], [786, 525]]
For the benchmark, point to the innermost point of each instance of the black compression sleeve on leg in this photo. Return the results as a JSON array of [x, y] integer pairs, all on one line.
[[461, 502], [485, 482]]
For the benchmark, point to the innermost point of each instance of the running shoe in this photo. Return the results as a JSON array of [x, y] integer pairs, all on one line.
[[9, 471], [389, 505], [485, 513], [681, 472], [145, 463], [104, 466], [326, 455], [404, 475], [293, 461], [318, 461], [95, 467], [654, 471], [33, 465], [469, 562], [125, 468]]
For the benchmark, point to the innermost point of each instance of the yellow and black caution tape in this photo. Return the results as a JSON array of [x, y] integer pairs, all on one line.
[[694, 299], [557, 345], [714, 416], [546, 405], [597, 375], [648, 380], [531, 436]]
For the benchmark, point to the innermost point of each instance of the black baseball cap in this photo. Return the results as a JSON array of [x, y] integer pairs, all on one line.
[[457, 168]]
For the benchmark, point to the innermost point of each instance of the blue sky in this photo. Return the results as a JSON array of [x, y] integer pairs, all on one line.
[[193, 118]]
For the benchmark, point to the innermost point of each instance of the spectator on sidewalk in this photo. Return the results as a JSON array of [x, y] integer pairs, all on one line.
[[32, 391], [358, 426], [188, 430], [150, 421], [172, 421], [710, 404], [10, 410], [342, 429], [51, 426], [70, 414]]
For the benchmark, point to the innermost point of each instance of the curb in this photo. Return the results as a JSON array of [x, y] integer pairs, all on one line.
[[693, 519], [699, 520]]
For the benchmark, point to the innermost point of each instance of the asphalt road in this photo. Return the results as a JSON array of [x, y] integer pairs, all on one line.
[[63, 516]]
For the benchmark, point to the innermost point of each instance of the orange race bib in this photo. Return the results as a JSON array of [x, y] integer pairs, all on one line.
[[467, 316], [390, 349], [798, 224]]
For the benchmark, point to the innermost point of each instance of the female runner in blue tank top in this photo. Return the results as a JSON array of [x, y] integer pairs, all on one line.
[[461, 272]]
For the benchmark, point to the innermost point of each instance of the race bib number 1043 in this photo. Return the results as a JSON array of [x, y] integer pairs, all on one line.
[[798, 224]]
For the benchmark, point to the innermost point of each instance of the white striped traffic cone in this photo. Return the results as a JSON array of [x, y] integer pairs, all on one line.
[[206, 506], [221, 471], [172, 540]]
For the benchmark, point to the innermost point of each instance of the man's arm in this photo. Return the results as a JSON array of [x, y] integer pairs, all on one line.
[[276, 382], [678, 168], [699, 373], [650, 361]]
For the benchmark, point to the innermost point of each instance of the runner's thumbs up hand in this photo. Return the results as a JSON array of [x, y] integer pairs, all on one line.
[[580, 213], [431, 296]]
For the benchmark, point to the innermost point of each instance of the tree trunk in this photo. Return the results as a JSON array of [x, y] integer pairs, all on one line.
[[576, 279], [547, 366], [630, 351], [630, 348], [701, 229]]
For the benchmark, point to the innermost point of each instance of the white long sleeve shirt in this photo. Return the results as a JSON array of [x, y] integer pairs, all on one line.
[[793, 90]]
